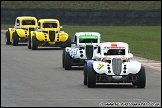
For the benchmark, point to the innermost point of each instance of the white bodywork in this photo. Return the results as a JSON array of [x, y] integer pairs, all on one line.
[[118, 65], [132, 67], [78, 50]]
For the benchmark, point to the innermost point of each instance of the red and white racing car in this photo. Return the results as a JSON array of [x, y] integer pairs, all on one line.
[[114, 64]]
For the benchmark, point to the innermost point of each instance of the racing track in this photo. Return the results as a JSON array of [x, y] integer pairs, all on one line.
[[36, 79]]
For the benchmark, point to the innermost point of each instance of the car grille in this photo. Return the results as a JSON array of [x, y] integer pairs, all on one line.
[[117, 65], [52, 36], [89, 51]]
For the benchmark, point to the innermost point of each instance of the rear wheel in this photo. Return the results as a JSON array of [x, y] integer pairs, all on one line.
[[85, 74], [34, 42], [67, 61], [7, 38], [15, 39], [142, 78], [91, 77]]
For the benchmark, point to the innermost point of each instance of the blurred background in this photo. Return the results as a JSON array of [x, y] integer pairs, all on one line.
[[109, 13]]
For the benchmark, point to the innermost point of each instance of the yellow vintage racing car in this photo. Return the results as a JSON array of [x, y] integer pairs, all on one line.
[[48, 34], [19, 34]]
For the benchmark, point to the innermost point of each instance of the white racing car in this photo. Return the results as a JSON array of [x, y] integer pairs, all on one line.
[[83, 48], [114, 64]]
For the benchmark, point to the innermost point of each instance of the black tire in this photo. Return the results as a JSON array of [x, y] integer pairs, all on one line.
[[67, 61], [91, 77], [34, 44], [141, 83], [29, 42], [68, 42], [63, 58], [85, 74], [15, 39], [7, 38]]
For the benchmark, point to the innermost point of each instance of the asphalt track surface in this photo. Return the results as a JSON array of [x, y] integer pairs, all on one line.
[[36, 79]]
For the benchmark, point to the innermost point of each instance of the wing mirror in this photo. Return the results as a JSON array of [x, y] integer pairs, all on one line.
[[61, 26]]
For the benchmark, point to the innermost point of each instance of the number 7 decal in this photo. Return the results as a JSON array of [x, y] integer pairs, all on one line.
[[100, 66]]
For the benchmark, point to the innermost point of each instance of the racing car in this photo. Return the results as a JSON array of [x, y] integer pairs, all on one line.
[[114, 64], [19, 34], [84, 47], [48, 34]]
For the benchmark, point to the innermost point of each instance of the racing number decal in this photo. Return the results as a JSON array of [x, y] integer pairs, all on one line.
[[100, 66]]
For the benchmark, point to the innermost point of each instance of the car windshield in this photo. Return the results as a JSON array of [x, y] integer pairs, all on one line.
[[115, 52], [49, 25], [87, 40], [28, 22]]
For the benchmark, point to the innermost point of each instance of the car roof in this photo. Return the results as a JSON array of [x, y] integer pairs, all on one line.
[[40, 20], [87, 33], [113, 44], [30, 17]]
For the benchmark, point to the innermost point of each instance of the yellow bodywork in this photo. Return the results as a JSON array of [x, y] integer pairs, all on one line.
[[43, 35], [22, 30]]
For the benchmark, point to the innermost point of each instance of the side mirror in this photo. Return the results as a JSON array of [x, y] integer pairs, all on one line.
[[17, 24], [130, 55], [98, 56], [61, 26]]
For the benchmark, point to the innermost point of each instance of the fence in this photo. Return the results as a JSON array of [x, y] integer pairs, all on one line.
[[88, 16]]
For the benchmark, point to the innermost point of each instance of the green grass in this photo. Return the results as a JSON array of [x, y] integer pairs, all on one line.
[[134, 5], [144, 41]]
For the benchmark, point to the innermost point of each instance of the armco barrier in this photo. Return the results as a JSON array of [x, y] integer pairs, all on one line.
[[88, 16]]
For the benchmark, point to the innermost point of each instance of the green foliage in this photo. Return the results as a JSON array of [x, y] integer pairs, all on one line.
[[134, 5]]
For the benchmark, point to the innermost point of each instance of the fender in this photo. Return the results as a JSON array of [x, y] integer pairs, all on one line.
[[20, 32], [100, 67], [40, 36], [62, 37], [132, 67], [72, 51], [11, 30]]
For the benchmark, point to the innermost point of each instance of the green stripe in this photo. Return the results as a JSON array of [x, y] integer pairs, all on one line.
[[88, 37]]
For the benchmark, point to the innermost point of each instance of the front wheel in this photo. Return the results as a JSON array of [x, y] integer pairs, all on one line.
[[141, 83], [67, 64], [85, 74], [91, 78], [7, 38], [29, 42], [34, 42], [15, 39]]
